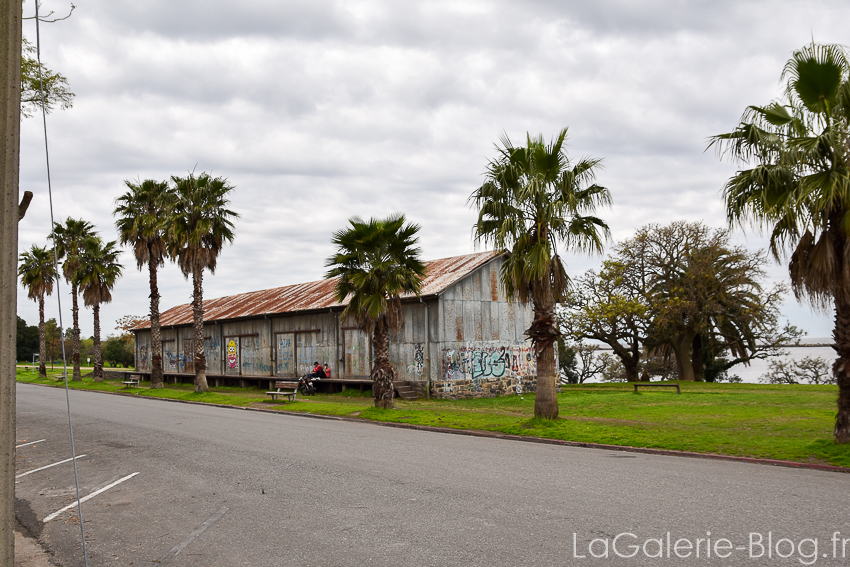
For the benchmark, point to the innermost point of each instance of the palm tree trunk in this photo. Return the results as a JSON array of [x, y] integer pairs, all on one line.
[[98, 361], [382, 373], [75, 334], [42, 339], [156, 335], [546, 400], [198, 315], [841, 368]]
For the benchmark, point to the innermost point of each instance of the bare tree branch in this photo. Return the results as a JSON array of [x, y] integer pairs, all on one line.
[[46, 21]]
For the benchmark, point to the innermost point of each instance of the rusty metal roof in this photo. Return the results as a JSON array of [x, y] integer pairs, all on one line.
[[312, 296]]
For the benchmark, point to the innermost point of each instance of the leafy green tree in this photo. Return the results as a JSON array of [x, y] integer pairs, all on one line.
[[567, 362], [96, 275], [377, 262], [795, 181], [27, 341], [70, 239], [142, 214], [705, 295], [680, 289], [610, 307], [533, 199], [56, 90], [117, 353], [199, 225], [38, 272], [52, 341]]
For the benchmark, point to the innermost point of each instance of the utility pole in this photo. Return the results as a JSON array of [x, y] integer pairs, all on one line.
[[10, 136]]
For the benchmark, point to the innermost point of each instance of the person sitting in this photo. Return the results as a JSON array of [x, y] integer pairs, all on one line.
[[327, 370], [318, 371]]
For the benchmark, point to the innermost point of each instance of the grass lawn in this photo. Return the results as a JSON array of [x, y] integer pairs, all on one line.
[[774, 422]]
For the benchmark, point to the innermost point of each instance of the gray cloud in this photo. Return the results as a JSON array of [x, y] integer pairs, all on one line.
[[318, 111]]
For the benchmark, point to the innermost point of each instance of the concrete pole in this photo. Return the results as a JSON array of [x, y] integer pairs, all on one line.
[[10, 115]]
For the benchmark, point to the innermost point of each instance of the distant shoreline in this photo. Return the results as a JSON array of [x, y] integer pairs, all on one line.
[[801, 345]]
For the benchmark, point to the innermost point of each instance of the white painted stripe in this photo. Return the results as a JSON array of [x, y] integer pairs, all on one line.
[[48, 466], [195, 533], [30, 443], [92, 495]]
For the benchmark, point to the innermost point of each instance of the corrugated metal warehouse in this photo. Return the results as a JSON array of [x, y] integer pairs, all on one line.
[[461, 338]]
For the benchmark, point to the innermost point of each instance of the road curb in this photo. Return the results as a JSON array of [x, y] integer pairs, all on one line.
[[498, 435]]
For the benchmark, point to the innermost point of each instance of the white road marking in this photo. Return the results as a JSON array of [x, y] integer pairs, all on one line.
[[48, 466], [194, 535], [92, 495], [30, 443]]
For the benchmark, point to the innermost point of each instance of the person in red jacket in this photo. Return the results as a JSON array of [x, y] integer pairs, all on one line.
[[318, 371]]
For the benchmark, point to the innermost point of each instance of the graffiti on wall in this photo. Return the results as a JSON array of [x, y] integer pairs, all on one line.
[[285, 354], [212, 354], [418, 366], [143, 357], [479, 363], [170, 359], [310, 353], [354, 359], [232, 354], [252, 357]]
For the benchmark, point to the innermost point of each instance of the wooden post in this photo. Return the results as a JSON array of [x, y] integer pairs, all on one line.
[[10, 141]]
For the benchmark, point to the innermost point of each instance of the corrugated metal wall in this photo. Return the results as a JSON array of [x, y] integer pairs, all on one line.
[[474, 334], [481, 333], [283, 346], [301, 340], [407, 346]]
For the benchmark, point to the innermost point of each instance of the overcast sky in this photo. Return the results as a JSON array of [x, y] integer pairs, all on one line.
[[321, 110]]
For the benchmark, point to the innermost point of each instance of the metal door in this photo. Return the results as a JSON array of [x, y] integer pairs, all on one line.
[[285, 354], [187, 357], [231, 356]]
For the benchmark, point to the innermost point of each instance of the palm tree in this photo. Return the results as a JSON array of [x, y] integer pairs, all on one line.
[[199, 225], [532, 199], [799, 188], [142, 212], [376, 262], [69, 239], [37, 273], [98, 271]]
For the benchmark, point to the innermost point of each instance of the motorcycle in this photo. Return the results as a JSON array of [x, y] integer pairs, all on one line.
[[306, 385]]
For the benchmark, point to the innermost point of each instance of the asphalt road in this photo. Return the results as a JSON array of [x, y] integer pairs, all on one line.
[[229, 487]]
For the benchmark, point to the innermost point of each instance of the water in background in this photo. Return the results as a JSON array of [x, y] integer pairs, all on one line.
[[757, 368]]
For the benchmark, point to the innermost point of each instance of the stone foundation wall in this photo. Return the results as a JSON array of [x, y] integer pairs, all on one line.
[[486, 369], [118, 374], [460, 389]]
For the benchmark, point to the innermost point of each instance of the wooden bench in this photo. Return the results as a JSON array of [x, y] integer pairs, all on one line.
[[132, 381], [285, 388], [645, 385]]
